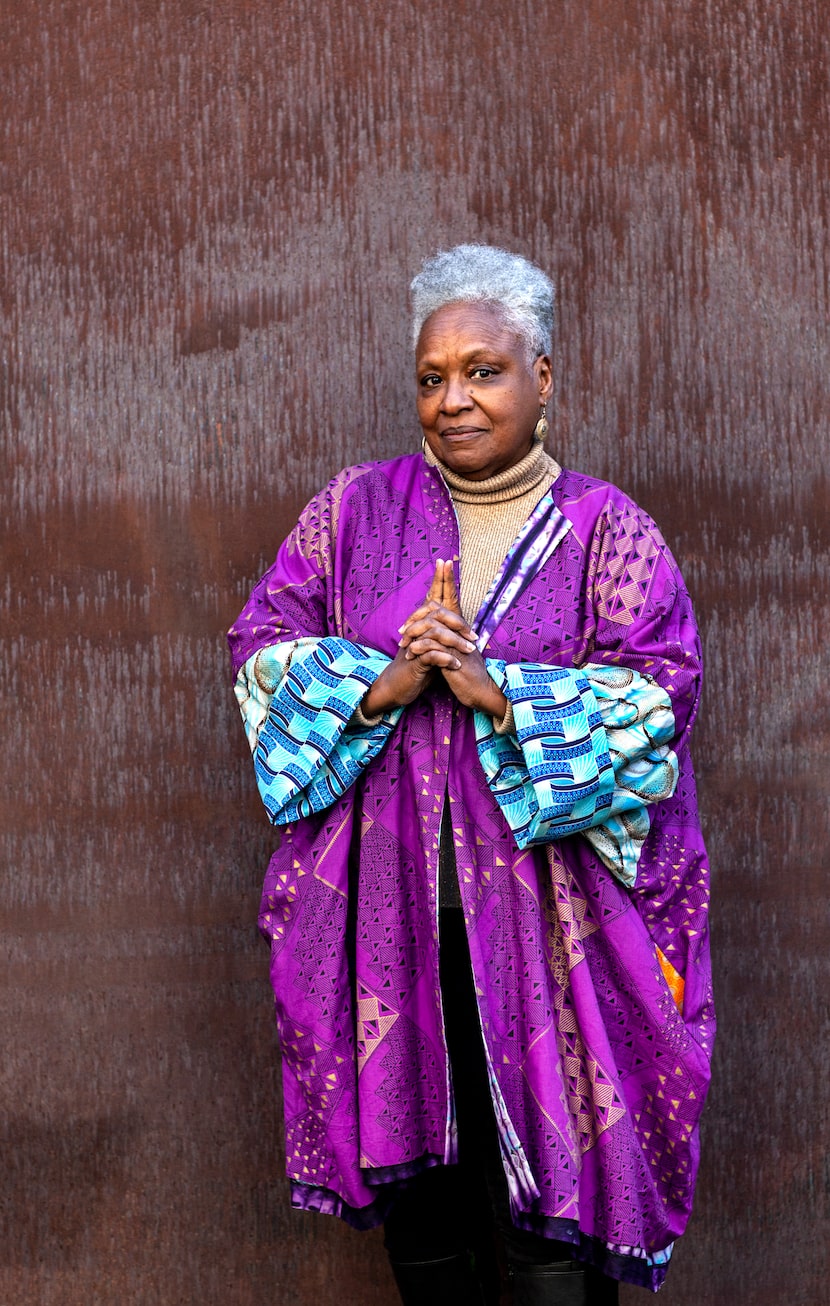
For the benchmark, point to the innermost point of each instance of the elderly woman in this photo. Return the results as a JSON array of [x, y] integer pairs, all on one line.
[[468, 682]]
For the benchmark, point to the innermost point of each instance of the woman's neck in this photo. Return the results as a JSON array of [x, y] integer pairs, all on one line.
[[513, 483]]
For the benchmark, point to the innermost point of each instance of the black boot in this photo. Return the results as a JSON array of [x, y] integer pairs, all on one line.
[[560, 1283], [450, 1281]]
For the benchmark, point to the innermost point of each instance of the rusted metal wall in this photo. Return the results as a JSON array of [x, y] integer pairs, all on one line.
[[210, 212]]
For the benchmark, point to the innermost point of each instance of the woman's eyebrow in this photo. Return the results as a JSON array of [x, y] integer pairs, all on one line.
[[468, 356]]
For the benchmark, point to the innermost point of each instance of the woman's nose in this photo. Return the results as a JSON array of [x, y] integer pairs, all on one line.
[[457, 397]]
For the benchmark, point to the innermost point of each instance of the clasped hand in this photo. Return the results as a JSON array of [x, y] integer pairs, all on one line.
[[436, 639]]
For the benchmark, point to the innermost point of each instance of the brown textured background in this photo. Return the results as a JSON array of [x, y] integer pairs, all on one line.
[[210, 212]]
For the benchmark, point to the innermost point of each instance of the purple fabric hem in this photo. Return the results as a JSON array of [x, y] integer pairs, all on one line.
[[635, 1270], [389, 1180], [304, 1197]]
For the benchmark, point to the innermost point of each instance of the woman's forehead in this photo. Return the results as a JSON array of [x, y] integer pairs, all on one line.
[[467, 328]]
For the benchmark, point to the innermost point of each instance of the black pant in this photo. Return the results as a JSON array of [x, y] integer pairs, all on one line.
[[453, 1209]]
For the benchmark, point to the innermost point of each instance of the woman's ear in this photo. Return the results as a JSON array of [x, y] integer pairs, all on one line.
[[544, 375]]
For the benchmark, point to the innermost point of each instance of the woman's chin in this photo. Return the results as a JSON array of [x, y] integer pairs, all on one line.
[[474, 464], [477, 456]]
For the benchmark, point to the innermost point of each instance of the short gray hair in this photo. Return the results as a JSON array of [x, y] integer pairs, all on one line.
[[485, 274]]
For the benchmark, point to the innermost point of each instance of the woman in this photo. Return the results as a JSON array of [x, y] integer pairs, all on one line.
[[468, 682]]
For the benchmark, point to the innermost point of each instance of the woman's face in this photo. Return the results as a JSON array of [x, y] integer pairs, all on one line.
[[478, 398]]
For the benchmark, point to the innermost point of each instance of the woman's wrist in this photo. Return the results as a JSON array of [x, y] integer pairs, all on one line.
[[373, 702], [392, 689], [363, 720], [476, 689], [496, 703]]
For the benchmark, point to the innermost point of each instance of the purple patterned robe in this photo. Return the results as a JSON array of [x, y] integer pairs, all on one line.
[[595, 1000]]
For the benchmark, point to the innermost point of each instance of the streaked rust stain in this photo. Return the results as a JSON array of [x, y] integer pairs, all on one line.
[[208, 217]]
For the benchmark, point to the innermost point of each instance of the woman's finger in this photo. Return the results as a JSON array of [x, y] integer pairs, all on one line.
[[451, 599], [434, 595], [441, 616], [434, 655], [417, 615], [441, 638], [435, 611], [442, 625], [435, 592]]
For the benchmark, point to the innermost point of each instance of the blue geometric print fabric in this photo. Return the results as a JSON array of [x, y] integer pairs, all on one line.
[[306, 753], [589, 754], [554, 778]]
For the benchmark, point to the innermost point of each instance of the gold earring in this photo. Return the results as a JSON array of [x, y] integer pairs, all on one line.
[[541, 429]]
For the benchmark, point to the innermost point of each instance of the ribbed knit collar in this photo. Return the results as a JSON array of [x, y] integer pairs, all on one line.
[[512, 483]]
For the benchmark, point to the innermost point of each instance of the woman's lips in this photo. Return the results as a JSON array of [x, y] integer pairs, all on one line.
[[461, 432]]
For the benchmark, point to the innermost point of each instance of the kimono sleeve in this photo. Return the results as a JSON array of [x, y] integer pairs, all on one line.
[[307, 752], [589, 752], [297, 682], [596, 747], [644, 617]]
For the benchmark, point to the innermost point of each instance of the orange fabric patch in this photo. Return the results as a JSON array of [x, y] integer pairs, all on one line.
[[674, 979]]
